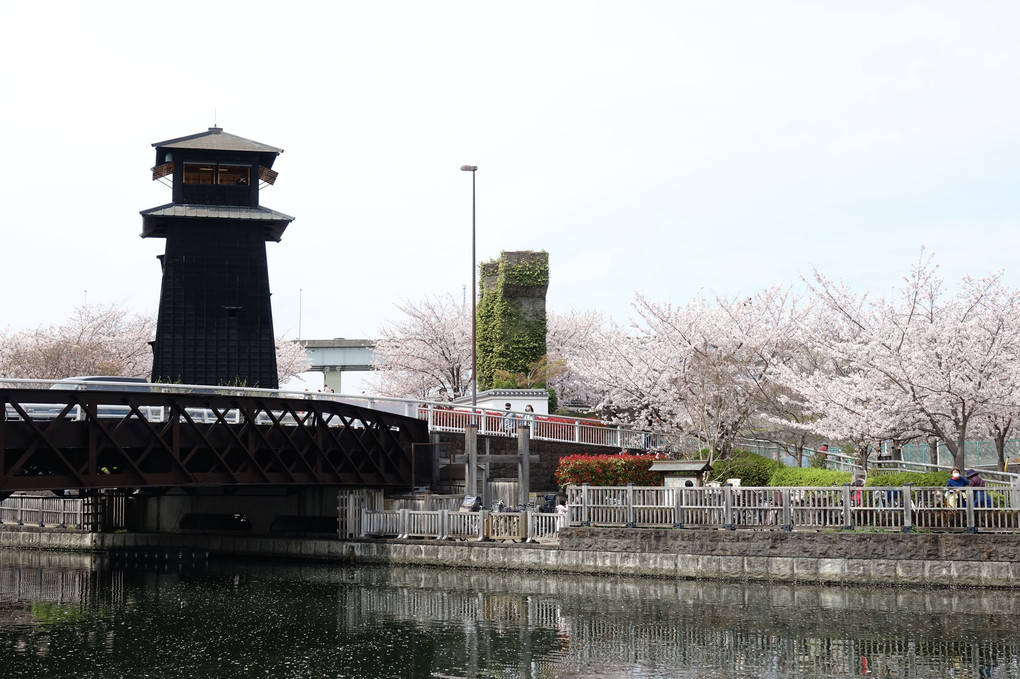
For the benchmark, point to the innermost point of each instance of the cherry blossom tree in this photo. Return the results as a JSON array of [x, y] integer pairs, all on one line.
[[427, 353], [103, 340], [700, 369], [292, 359], [96, 340], [919, 364], [568, 337]]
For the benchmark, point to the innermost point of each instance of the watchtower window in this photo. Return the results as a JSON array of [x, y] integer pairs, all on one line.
[[199, 173], [213, 173], [234, 174]]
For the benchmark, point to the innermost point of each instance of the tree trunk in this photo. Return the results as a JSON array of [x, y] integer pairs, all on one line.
[[999, 438]]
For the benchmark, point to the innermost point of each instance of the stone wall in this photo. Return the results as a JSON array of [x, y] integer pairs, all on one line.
[[803, 544], [984, 560]]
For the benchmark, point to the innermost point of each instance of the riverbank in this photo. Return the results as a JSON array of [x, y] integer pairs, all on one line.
[[910, 559]]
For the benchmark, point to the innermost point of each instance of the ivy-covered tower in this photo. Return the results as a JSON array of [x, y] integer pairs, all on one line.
[[511, 314], [215, 322]]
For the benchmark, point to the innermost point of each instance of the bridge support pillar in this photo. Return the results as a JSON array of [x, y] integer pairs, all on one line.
[[471, 447], [523, 463], [331, 378]]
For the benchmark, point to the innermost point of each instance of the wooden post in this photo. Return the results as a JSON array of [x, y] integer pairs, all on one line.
[[471, 447], [523, 464]]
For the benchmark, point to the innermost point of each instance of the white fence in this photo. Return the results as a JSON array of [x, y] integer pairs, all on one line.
[[846, 507], [43, 510], [445, 524]]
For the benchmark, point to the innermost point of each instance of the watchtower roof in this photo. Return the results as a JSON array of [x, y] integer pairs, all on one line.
[[156, 220], [215, 139]]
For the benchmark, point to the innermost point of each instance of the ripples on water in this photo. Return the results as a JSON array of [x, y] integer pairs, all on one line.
[[65, 615]]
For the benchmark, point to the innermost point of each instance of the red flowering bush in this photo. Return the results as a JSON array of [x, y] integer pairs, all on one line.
[[607, 470]]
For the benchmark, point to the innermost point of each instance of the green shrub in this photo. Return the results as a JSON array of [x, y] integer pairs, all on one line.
[[796, 476], [752, 469], [607, 470], [921, 480]]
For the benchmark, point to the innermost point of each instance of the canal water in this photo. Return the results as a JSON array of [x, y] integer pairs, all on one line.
[[70, 615]]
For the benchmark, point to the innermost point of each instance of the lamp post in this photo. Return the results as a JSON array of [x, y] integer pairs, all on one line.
[[474, 294], [471, 442]]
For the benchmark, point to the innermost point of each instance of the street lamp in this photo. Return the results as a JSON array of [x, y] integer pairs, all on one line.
[[471, 431], [474, 293]]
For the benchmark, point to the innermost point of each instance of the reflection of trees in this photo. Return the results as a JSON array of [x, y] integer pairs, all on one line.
[[240, 619]]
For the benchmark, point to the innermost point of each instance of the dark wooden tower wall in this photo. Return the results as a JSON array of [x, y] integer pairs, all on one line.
[[215, 323]]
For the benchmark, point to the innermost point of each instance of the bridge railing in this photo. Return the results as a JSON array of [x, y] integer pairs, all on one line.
[[440, 416]]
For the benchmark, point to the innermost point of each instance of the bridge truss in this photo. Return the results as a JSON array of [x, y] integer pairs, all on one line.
[[53, 439]]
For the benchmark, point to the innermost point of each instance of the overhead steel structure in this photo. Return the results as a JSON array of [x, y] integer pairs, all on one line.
[[53, 439]]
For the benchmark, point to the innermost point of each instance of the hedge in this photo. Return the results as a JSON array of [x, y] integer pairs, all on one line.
[[752, 469], [799, 476], [607, 470], [921, 480]]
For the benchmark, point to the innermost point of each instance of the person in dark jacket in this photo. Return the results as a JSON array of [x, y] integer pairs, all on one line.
[[974, 480]]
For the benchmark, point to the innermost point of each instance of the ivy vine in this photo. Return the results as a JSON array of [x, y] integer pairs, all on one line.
[[511, 336]]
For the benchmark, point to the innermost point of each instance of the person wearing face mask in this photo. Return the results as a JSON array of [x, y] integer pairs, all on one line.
[[956, 480]]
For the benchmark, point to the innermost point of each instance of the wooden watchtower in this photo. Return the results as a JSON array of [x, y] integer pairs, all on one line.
[[215, 323]]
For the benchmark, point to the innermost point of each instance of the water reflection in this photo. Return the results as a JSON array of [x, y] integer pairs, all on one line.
[[71, 615]]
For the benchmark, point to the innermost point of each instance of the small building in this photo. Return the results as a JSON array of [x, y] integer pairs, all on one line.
[[519, 399], [676, 473]]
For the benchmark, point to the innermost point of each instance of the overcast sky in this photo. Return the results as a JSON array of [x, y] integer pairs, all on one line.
[[670, 148]]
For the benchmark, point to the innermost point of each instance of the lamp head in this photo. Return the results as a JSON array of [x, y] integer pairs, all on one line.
[[468, 168]]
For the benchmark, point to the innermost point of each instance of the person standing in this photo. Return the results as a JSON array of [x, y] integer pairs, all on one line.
[[509, 424], [974, 480]]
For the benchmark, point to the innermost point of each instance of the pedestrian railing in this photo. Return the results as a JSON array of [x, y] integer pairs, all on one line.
[[846, 507], [445, 524], [42, 510], [441, 417], [585, 431]]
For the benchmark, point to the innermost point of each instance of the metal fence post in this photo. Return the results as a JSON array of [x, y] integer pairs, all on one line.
[[585, 505], [483, 520], [444, 524], [630, 507], [847, 506], [678, 507], [908, 509], [529, 532], [728, 508], [971, 523], [786, 495], [402, 527]]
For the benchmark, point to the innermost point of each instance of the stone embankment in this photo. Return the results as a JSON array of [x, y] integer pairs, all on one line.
[[941, 560]]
